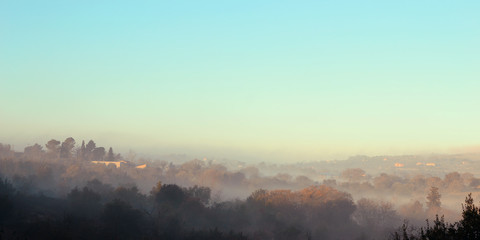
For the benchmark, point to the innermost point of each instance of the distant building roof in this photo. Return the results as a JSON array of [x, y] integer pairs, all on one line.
[[141, 166], [116, 163]]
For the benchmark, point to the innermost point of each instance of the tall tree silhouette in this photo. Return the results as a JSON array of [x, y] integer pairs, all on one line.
[[98, 153], [469, 227], [89, 149], [110, 155], [81, 152], [67, 147]]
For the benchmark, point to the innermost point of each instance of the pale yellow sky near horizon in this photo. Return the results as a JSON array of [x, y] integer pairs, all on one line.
[[273, 80]]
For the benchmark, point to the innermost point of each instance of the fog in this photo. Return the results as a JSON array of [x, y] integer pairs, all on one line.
[[65, 188]]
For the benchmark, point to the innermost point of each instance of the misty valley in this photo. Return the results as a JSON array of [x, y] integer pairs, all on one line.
[[69, 190]]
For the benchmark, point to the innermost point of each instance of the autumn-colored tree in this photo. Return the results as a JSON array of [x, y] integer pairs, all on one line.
[[259, 195], [157, 188], [453, 182]]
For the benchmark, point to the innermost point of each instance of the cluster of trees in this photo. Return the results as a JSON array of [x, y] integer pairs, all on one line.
[[61, 150], [401, 189], [407, 185], [468, 228], [6, 151], [305, 208], [90, 151], [238, 183], [242, 181], [318, 212], [100, 211]]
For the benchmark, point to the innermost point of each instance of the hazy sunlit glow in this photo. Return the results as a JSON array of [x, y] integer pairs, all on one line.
[[249, 80]]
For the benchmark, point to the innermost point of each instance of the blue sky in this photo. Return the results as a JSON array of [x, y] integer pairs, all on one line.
[[273, 80]]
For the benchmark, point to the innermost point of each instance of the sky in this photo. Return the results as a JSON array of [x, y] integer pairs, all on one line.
[[248, 80]]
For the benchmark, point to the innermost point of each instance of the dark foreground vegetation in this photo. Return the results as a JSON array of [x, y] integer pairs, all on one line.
[[467, 228], [101, 212], [97, 211], [64, 193]]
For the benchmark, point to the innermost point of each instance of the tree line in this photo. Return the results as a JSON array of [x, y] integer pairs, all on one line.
[[100, 211], [279, 206], [467, 228], [55, 149]]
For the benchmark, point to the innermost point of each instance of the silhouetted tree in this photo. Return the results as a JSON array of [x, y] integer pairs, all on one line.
[[84, 203], [98, 153], [82, 151], [155, 190], [53, 147], [130, 195], [6, 203], [440, 230], [121, 220], [110, 155], [105, 190], [259, 197], [433, 198], [67, 147], [89, 149], [171, 194], [469, 227], [200, 193]]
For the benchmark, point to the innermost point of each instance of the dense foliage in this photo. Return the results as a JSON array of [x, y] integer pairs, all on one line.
[[64, 193], [98, 211], [468, 228]]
